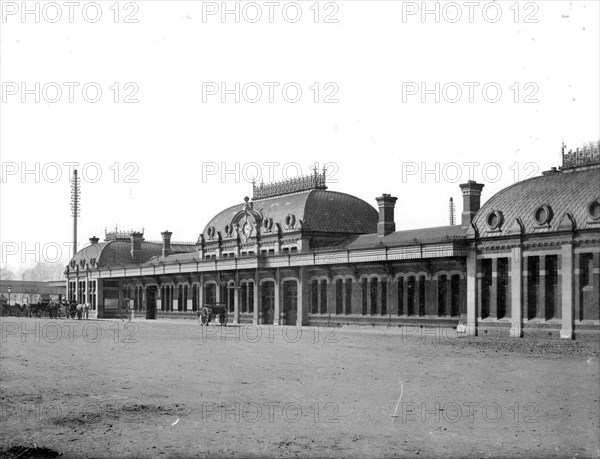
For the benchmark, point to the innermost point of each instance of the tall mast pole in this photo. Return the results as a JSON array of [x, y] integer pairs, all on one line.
[[75, 206]]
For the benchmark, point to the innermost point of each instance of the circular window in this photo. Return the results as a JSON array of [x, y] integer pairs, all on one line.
[[542, 215], [494, 219], [290, 220], [211, 231], [268, 223], [594, 209], [228, 230]]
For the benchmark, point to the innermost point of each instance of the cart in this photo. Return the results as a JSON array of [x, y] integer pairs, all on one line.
[[208, 312]]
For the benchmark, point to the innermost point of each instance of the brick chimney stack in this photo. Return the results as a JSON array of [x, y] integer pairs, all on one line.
[[136, 246], [386, 223], [166, 247], [471, 201]]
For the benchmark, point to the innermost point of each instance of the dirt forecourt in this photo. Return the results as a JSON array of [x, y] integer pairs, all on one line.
[[176, 389]]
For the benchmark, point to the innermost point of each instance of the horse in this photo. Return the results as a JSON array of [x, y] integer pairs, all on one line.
[[25, 310], [35, 310], [86, 310], [79, 311], [72, 310], [38, 309], [63, 309], [53, 309]]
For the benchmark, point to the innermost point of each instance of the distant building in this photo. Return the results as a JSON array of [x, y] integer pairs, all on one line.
[[31, 292], [299, 254]]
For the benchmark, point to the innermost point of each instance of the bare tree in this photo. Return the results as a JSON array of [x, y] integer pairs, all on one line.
[[6, 274], [43, 272]]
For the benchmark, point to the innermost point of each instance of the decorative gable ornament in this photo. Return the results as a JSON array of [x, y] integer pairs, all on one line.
[[472, 232], [516, 227], [567, 223]]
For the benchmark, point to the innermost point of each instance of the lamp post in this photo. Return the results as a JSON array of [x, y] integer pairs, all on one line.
[[9, 290]]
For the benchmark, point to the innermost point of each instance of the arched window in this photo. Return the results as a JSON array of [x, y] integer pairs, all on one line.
[[339, 296], [373, 292], [324, 296], [383, 297], [348, 296], [314, 297], [400, 296], [251, 297], [244, 296]]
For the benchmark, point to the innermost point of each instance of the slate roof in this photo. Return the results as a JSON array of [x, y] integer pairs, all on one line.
[[21, 286], [413, 236], [567, 191], [321, 211], [118, 253]]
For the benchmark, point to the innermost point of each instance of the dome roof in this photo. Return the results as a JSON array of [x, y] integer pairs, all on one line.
[[319, 210], [541, 202], [118, 253], [113, 253]]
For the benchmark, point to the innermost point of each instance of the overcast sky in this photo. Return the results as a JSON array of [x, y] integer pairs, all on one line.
[[361, 69]]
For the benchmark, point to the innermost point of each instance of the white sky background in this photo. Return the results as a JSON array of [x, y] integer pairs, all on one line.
[[369, 134]]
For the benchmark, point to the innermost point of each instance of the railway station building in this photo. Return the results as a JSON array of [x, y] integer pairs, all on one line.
[[300, 254]]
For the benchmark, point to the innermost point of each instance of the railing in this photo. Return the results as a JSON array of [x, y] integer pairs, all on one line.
[[156, 241], [117, 235], [254, 261], [588, 154], [309, 182]]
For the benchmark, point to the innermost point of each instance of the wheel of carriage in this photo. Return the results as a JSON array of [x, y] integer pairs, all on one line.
[[223, 317], [204, 316]]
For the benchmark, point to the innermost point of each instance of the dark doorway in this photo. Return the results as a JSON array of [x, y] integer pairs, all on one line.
[[533, 285], [290, 301], [373, 292], [348, 293], [151, 301], [486, 288], [267, 290], [442, 294], [551, 286], [421, 295], [400, 296], [502, 279], [210, 294], [455, 295], [314, 297], [339, 296], [410, 302]]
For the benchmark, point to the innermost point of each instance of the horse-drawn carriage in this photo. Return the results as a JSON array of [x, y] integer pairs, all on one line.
[[211, 311], [46, 307], [16, 309]]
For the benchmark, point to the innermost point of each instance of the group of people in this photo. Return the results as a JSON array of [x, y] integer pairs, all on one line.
[[55, 310], [68, 310], [74, 310]]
